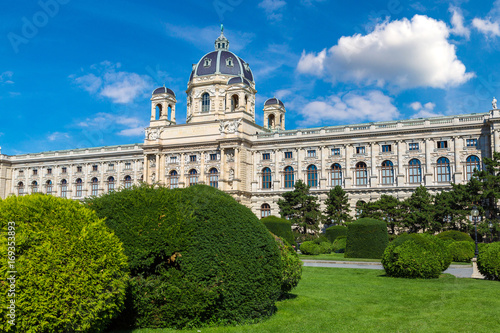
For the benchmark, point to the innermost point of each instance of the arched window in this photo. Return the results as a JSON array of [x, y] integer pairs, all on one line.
[[158, 109], [193, 177], [415, 171], [205, 102], [95, 187], [111, 184], [49, 186], [34, 187], [472, 164], [289, 177], [64, 188], [79, 187], [128, 182], [443, 170], [266, 178], [270, 121], [20, 188], [336, 175], [174, 179], [214, 177], [359, 207], [265, 210], [312, 176], [361, 174], [234, 102], [387, 173]]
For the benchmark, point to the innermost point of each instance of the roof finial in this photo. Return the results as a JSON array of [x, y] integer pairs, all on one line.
[[222, 28]]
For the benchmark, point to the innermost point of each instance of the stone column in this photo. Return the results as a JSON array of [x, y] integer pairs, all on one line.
[[203, 176], [223, 166], [161, 168], [458, 145], [299, 165], [145, 170], [323, 176], [347, 172], [255, 179], [428, 175], [157, 168], [373, 175], [277, 181], [400, 177], [182, 178]]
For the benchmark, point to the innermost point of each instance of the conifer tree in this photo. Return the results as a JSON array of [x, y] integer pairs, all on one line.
[[337, 207]]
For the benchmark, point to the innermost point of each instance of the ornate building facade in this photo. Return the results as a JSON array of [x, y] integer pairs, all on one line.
[[221, 145]]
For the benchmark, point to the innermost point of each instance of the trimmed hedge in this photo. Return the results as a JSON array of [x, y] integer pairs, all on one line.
[[462, 251], [71, 269], [196, 255], [333, 232], [279, 227], [416, 256], [291, 266], [339, 244], [455, 235], [488, 261], [310, 248], [366, 238]]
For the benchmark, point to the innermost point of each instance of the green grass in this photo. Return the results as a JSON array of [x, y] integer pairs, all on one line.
[[358, 300], [340, 257]]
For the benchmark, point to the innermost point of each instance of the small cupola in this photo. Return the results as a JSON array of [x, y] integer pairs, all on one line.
[[221, 43]]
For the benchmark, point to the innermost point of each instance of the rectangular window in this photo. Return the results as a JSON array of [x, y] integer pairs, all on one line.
[[35, 172], [335, 151], [288, 154], [213, 157], [128, 166], [21, 173], [266, 156], [78, 190], [111, 167], [442, 144], [64, 170], [413, 146], [311, 153], [360, 150], [173, 159], [386, 148], [471, 142], [49, 171], [94, 167], [192, 158], [78, 169]]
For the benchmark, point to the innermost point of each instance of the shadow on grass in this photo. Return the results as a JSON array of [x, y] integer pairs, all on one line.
[[287, 296]]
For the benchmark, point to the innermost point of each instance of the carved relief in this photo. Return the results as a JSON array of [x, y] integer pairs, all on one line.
[[229, 126]]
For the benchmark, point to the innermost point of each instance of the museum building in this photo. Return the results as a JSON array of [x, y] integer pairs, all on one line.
[[221, 145]]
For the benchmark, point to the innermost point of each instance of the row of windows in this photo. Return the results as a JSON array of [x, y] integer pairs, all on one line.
[[78, 186], [193, 178], [443, 173], [385, 149], [64, 170]]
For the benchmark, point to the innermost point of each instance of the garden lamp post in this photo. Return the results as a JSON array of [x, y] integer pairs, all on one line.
[[475, 272]]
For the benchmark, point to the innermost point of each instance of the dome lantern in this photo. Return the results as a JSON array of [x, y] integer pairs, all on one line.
[[221, 43]]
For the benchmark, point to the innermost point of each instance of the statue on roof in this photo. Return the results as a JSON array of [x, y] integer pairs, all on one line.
[[494, 103]]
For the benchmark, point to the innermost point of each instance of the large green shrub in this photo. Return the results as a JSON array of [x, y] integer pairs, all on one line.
[[455, 235], [325, 247], [366, 238], [280, 227], [71, 269], [488, 261], [310, 248], [291, 266], [416, 256], [196, 256], [333, 232], [462, 251], [339, 244]]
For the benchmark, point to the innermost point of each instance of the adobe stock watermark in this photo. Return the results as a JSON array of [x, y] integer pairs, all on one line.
[[30, 27], [11, 273], [224, 6]]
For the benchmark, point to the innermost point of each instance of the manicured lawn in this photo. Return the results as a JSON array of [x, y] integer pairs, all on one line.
[[340, 257], [357, 300]]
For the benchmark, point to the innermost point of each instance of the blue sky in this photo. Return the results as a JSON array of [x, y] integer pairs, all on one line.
[[77, 74]]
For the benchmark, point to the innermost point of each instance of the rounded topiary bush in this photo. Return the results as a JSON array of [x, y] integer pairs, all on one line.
[[325, 247], [71, 269], [291, 266], [196, 256], [333, 232], [416, 256], [488, 261], [339, 244], [366, 238], [279, 227], [462, 251], [455, 235], [310, 248]]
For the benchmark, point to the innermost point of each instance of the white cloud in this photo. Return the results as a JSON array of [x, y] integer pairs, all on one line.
[[400, 54], [138, 131], [101, 121], [121, 87], [6, 77], [424, 111], [457, 23], [350, 108], [486, 27], [204, 38], [58, 136], [271, 7]]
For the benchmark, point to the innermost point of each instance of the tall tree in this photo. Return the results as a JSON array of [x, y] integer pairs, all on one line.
[[301, 208], [387, 208], [337, 207], [452, 209], [419, 211]]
